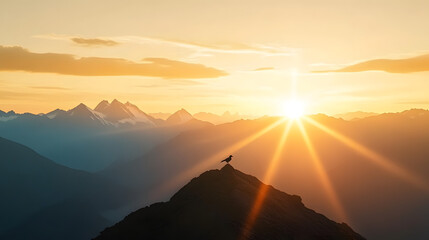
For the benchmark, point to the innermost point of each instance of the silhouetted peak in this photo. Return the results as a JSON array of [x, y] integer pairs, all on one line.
[[220, 201], [128, 104], [115, 101], [116, 104], [102, 105], [81, 107], [179, 117], [114, 111], [227, 167]]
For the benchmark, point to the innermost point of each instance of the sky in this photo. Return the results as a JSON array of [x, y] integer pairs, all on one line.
[[215, 56]]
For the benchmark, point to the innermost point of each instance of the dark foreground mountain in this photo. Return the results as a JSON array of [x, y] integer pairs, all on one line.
[[216, 205], [44, 200], [68, 220]]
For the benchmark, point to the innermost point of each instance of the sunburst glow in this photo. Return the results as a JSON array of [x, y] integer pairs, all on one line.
[[375, 158], [293, 109], [260, 198]]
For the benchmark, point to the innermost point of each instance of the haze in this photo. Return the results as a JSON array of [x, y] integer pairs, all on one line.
[[237, 56]]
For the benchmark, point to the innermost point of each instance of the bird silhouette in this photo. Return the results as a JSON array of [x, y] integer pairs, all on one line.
[[227, 160]]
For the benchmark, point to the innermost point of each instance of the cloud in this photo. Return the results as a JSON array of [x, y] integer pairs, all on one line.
[[20, 59], [202, 49], [264, 69], [229, 48], [407, 65], [49, 88], [93, 42]]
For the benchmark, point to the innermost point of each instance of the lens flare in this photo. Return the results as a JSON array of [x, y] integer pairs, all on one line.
[[325, 181], [293, 109], [262, 192], [374, 157]]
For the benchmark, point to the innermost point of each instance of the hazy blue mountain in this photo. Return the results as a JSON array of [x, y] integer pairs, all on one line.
[[33, 184], [87, 139], [68, 220]]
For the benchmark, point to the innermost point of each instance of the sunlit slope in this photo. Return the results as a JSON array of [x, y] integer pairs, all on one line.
[[375, 199], [216, 204]]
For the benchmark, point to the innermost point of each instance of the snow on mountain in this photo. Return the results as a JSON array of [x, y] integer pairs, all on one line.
[[7, 118], [115, 111], [138, 115], [127, 113], [4, 117], [83, 112]]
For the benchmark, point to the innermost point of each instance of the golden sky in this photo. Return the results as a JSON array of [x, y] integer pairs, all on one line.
[[214, 56]]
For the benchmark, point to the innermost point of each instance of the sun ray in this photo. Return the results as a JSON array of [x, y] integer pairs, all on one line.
[[325, 181], [375, 158], [262, 192], [214, 158]]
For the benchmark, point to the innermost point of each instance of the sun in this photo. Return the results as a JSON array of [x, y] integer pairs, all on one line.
[[293, 109]]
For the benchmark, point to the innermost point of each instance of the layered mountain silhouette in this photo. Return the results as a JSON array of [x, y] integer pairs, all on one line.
[[355, 115], [216, 205], [155, 161], [226, 117], [382, 205], [38, 194], [92, 139]]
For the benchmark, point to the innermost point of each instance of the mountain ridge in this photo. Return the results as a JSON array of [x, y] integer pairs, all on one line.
[[216, 205]]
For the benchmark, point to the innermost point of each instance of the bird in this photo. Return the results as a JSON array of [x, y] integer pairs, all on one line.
[[227, 160]]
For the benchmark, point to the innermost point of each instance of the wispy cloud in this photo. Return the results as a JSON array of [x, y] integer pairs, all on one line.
[[201, 49], [20, 59], [264, 69], [93, 42], [406, 65], [49, 88], [230, 48]]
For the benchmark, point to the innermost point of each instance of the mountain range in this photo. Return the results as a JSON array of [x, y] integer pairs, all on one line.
[[139, 163], [355, 115], [92, 139], [389, 201], [217, 204]]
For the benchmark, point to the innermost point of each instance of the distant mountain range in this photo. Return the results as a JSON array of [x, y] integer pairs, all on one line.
[[216, 205], [355, 115], [226, 117], [92, 139], [119, 114], [107, 114], [141, 160]]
